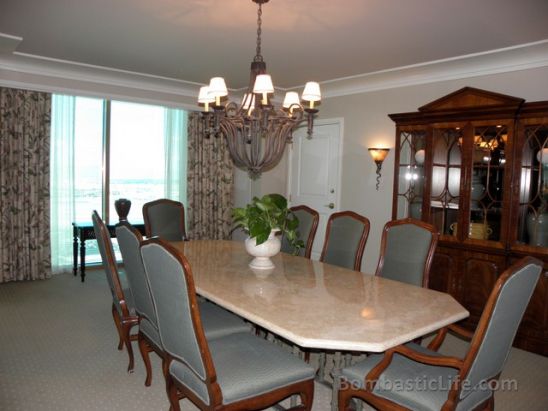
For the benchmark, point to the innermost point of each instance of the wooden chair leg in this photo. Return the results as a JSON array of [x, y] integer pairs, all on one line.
[[344, 400], [307, 396], [126, 328], [118, 325], [172, 394], [145, 349], [165, 368], [490, 406]]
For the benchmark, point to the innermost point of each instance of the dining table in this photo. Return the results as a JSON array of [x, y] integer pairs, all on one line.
[[317, 305]]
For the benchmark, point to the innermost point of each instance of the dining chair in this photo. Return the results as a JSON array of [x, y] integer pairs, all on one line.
[[166, 219], [345, 238], [458, 384], [123, 306], [217, 321], [235, 372], [308, 224], [407, 250]]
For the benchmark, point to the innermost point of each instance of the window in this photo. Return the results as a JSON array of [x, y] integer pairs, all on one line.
[[104, 150]]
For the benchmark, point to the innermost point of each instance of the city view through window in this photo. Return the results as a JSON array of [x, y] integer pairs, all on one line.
[[137, 160]]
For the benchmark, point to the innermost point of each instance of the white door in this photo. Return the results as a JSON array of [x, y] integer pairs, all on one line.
[[314, 173]]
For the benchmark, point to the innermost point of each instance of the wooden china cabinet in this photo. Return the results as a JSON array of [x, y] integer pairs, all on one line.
[[475, 165]]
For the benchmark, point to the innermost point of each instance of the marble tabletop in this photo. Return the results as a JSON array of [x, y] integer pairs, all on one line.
[[317, 305]]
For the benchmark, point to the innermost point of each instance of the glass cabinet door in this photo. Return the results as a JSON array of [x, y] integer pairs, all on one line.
[[533, 194], [487, 182], [446, 179], [411, 174]]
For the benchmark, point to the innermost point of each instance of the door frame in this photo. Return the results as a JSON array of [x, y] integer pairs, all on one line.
[[322, 122]]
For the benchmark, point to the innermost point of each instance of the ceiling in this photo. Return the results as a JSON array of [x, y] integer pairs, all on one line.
[[303, 40]]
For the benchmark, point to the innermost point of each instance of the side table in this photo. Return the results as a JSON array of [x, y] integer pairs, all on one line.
[[81, 233]]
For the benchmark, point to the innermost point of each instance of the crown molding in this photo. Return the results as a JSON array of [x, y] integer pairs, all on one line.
[[521, 57], [9, 43], [48, 70], [62, 69]]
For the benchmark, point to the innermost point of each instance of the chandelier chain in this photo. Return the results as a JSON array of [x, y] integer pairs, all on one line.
[[258, 56]]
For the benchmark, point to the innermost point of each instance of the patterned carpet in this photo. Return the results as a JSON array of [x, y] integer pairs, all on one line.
[[58, 352]]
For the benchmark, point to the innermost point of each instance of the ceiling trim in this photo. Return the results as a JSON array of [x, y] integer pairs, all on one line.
[[521, 57], [55, 68], [9, 43]]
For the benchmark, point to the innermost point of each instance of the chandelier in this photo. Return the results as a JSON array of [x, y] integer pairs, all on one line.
[[255, 130]]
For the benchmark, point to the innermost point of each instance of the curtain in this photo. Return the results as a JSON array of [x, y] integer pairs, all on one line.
[[62, 181], [24, 185], [175, 143], [210, 180]]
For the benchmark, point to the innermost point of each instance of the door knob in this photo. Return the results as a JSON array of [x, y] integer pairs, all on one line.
[[330, 205]]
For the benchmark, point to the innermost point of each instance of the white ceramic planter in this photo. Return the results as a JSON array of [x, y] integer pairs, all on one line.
[[263, 252]]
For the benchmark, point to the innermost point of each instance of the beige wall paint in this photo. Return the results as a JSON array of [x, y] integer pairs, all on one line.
[[366, 124]]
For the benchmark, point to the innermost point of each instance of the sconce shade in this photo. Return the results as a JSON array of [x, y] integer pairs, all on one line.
[[291, 98], [204, 96], [263, 84], [312, 92], [378, 154], [217, 87]]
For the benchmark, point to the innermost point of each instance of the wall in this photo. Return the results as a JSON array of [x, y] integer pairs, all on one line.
[[366, 124]]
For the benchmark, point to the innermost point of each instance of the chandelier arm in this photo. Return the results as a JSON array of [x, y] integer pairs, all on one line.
[[256, 144], [276, 146], [230, 132]]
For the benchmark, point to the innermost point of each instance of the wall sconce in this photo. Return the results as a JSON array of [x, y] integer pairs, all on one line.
[[378, 155]]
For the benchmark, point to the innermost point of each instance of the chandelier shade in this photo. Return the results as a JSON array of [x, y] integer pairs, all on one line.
[[255, 130]]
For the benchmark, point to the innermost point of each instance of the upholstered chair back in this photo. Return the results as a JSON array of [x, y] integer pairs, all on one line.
[[109, 262], [166, 219], [345, 238], [308, 224], [181, 333], [503, 313], [129, 240], [407, 249]]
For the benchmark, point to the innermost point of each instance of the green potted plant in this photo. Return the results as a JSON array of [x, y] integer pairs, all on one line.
[[262, 219]]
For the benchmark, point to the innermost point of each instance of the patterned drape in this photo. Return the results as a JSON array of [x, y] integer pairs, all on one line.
[[210, 184], [24, 185]]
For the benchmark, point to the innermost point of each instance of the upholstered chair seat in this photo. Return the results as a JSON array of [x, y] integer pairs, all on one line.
[[247, 365], [403, 369], [130, 301]]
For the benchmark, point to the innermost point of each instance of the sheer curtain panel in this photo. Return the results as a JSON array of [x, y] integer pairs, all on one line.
[[62, 181], [24, 185], [175, 143]]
